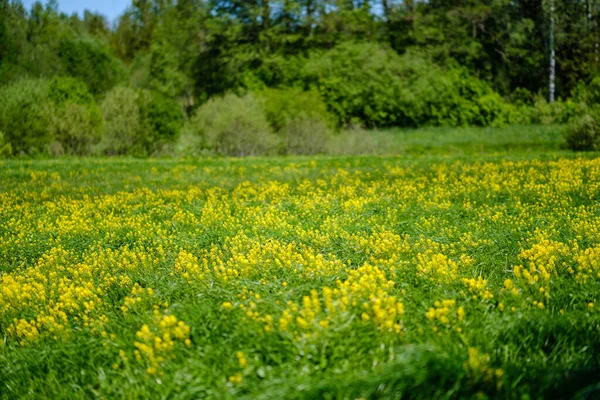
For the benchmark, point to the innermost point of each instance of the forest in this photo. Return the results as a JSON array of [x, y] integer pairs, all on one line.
[[239, 77]]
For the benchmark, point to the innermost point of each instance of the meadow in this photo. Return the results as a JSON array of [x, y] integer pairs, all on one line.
[[447, 264]]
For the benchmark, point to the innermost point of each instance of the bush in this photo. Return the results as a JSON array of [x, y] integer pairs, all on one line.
[[58, 115], [24, 116], [358, 81], [74, 120], [138, 122], [300, 118], [284, 105], [122, 132], [558, 112], [458, 99], [589, 94], [5, 146], [375, 85], [69, 90], [584, 134], [233, 126], [162, 118], [75, 128]]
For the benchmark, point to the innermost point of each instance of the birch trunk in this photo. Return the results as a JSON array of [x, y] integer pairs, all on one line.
[[552, 56]]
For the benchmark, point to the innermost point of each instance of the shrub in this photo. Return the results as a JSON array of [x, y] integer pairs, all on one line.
[[522, 97], [558, 112], [69, 90], [162, 118], [24, 116], [122, 129], [35, 114], [74, 120], [190, 145], [75, 128], [357, 80], [375, 85], [583, 134], [283, 105], [300, 118], [480, 105], [5, 146], [234, 126], [589, 94], [138, 122]]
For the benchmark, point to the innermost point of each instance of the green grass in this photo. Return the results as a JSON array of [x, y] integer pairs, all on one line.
[[455, 141], [441, 206]]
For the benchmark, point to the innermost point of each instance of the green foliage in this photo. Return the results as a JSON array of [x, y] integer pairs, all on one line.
[[357, 81], [92, 63], [5, 146], [283, 105], [59, 116], [558, 112], [521, 97], [463, 100], [535, 109], [234, 126], [164, 75], [122, 131], [411, 65], [280, 70], [74, 119], [75, 128], [373, 84], [589, 94], [162, 118], [138, 122], [584, 134], [206, 48], [24, 116], [69, 90], [300, 118]]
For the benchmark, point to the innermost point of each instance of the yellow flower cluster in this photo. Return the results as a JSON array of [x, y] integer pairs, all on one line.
[[246, 257], [436, 267], [60, 292], [155, 344], [445, 315], [546, 262], [364, 294], [137, 296], [478, 288], [588, 265]]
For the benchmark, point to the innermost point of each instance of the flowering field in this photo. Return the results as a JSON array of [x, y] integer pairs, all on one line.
[[369, 277]]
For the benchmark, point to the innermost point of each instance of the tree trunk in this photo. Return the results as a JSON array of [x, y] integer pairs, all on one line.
[[386, 9], [310, 9], [596, 34], [266, 13], [552, 55]]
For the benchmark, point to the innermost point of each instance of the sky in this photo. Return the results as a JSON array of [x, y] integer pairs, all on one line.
[[109, 8]]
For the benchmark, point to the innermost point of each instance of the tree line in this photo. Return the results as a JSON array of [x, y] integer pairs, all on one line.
[[373, 63]]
